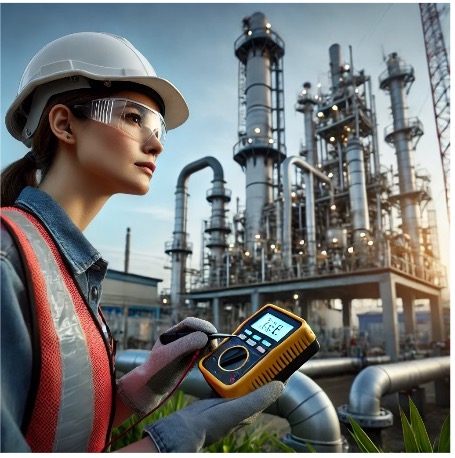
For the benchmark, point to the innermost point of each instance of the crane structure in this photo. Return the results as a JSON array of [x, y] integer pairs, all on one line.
[[439, 73]]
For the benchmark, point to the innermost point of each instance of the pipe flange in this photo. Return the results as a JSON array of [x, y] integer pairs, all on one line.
[[383, 420]]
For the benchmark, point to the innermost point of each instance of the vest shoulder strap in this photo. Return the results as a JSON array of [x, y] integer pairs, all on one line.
[[32, 317]]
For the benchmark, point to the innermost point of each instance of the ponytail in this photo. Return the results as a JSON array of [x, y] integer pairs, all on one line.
[[16, 177]]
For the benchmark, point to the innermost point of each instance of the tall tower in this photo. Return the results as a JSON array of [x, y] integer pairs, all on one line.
[[439, 72], [261, 117], [401, 134]]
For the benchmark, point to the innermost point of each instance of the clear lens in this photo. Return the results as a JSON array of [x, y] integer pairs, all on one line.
[[137, 120]]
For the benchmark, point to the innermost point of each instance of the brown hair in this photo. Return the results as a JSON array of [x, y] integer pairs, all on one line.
[[23, 172]]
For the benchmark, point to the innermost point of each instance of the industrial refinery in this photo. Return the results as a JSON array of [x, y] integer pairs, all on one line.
[[320, 227]]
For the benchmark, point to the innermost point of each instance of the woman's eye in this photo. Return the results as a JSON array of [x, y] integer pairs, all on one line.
[[134, 118]]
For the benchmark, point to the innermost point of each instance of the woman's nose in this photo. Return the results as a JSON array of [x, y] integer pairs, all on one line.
[[153, 145]]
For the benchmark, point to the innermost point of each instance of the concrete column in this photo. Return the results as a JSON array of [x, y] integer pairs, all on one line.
[[347, 306], [255, 302], [437, 323], [216, 312], [409, 315], [390, 318], [304, 308]]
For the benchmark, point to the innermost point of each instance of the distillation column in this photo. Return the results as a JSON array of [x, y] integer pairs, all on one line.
[[396, 79], [261, 133], [180, 248]]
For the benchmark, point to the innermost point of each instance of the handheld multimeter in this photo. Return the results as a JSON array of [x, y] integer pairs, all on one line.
[[270, 345]]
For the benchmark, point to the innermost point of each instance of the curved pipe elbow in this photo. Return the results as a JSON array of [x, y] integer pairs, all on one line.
[[309, 411], [376, 381], [208, 161]]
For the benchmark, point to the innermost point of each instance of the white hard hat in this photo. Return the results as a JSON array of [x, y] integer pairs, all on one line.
[[71, 62]]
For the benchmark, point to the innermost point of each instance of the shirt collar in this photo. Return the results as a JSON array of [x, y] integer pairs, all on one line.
[[75, 247]]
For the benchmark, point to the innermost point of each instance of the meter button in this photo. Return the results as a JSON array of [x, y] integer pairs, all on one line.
[[242, 336], [255, 337], [251, 342], [247, 331], [261, 349], [267, 344]]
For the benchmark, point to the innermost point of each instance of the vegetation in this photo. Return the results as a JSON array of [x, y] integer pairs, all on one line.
[[249, 439], [415, 435], [255, 438]]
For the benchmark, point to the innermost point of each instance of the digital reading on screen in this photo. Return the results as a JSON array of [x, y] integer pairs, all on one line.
[[272, 327]]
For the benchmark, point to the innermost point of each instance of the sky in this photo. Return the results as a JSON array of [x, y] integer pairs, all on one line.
[[192, 45]]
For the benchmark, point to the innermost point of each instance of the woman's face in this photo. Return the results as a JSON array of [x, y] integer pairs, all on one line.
[[114, 161]]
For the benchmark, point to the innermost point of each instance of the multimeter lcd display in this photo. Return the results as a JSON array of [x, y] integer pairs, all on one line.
[[270, 345], [272, 327]]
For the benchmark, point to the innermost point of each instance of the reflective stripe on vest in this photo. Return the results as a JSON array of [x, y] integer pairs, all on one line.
[[73, 406]]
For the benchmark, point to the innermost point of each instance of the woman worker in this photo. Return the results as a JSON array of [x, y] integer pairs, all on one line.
[[95, 115]]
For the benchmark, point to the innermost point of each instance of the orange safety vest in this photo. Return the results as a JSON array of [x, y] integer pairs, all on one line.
[[73, 409]]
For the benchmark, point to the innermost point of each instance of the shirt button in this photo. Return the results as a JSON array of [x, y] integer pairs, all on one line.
[[94, 293]]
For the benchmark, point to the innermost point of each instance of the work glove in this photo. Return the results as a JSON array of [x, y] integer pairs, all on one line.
[[143, 388], [207, 421]]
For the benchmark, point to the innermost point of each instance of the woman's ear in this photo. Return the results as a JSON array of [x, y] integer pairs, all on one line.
[[59, 120]]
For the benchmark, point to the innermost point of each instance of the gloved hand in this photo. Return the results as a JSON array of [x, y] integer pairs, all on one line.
[[143, 388], [205, 422]]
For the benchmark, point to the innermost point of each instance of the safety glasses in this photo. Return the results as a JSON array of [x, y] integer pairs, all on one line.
[[135, 119]]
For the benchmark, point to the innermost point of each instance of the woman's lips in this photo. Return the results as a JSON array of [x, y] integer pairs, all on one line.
[[148, 167]]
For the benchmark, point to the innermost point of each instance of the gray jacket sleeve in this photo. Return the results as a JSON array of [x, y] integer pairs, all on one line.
[[15, 347]]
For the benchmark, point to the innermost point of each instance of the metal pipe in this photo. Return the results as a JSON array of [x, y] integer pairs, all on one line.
[[357, 187], [309, 411], [335, 65], [180, 248], [287, 235], [330, 366], [374, 382]]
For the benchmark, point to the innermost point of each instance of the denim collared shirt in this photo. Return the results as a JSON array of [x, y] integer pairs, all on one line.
[[88, 269]]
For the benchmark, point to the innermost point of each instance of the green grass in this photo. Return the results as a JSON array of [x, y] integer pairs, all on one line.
[[248, 439]]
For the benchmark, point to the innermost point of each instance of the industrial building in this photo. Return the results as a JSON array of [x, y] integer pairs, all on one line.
[[320, 227]]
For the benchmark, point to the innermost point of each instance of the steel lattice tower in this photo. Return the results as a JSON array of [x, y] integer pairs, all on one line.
[[439, 72]]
